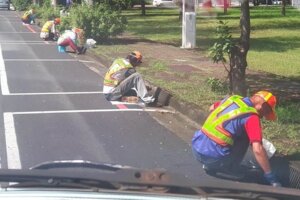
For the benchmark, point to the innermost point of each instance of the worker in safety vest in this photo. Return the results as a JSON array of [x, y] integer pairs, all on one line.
[[232, 125], [49, 30], [74, 38], [123, 83], [28, 17]]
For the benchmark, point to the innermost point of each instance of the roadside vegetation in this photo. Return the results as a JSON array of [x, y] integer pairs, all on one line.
[[274, 48]]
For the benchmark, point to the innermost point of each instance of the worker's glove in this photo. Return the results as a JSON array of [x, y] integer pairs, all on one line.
[[272, 180]]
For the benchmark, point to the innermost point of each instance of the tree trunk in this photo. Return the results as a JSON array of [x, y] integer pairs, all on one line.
[[283, 7], [143, 6], [238, 58], [237, 73]]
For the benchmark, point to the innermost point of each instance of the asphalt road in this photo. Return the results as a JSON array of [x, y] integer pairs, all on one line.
[[52, 108]]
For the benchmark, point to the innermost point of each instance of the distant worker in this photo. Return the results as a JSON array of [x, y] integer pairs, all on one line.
[[28, 17], [74, 38], [122, 81], [233, 123], [49, 30]]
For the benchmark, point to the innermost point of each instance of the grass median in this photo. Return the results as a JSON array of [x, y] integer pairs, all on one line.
[[274, 49]]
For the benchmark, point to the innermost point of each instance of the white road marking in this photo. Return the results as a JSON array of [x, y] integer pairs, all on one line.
[[15, 32], [21, 41], [46, 60], [12, 149], [94, 111], [26, 43], [3, 76], [53, 93]]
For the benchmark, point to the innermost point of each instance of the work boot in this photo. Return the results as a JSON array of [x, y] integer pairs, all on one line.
[[130, 99]]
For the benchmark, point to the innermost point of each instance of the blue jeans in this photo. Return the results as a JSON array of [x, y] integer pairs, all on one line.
[[229, 162]]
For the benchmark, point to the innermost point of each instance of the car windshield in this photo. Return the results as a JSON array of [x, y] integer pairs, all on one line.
[[166, 96]]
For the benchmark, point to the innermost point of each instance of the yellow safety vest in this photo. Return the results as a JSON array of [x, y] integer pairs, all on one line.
[[117, 65], [26, 14], [213, 126], [47, 26]]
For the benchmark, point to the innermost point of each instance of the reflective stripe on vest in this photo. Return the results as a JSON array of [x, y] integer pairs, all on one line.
[[47, 26], [213, 126], [117, 65]]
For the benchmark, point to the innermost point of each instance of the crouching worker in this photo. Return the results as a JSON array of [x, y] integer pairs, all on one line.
[[123, 83], [49, 30], [74, 38], [28, 17], [233, 125]]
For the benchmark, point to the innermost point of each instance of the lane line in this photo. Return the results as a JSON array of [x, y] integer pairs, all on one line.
[[94, 111], [30, 28], [15, 32], [24, 43], [53, 93], [12, 149], [21, 41], [45, 60], [3, 76]]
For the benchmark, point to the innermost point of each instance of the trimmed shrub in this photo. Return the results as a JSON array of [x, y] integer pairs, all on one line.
[[99, 21], [46, 13], [21, 4]]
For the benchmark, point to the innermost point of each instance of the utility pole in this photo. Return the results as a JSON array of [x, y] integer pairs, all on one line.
[[188, 24]]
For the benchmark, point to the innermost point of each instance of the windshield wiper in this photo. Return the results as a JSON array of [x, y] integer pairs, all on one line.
[[79, 164]]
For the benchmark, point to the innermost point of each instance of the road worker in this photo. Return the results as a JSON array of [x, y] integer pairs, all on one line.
[[74, 38], [49, 30], [232, 125], [123, 83], [28, 17]]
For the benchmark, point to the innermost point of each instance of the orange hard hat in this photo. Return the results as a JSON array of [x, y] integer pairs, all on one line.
[[137, 55], [270, 99], [57, 21]]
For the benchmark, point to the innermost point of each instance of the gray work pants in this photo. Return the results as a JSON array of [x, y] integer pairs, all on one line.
[[133, 82]]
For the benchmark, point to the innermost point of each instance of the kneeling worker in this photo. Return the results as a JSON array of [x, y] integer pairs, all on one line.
[[28, 17], [74, 38], [233, 125], [121, 79], [49, 30]]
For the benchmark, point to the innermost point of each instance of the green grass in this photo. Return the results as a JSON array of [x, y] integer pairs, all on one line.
[[275, 39]]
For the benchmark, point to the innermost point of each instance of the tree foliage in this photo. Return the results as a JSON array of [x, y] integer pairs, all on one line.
[[222, 48], [119, 4]]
